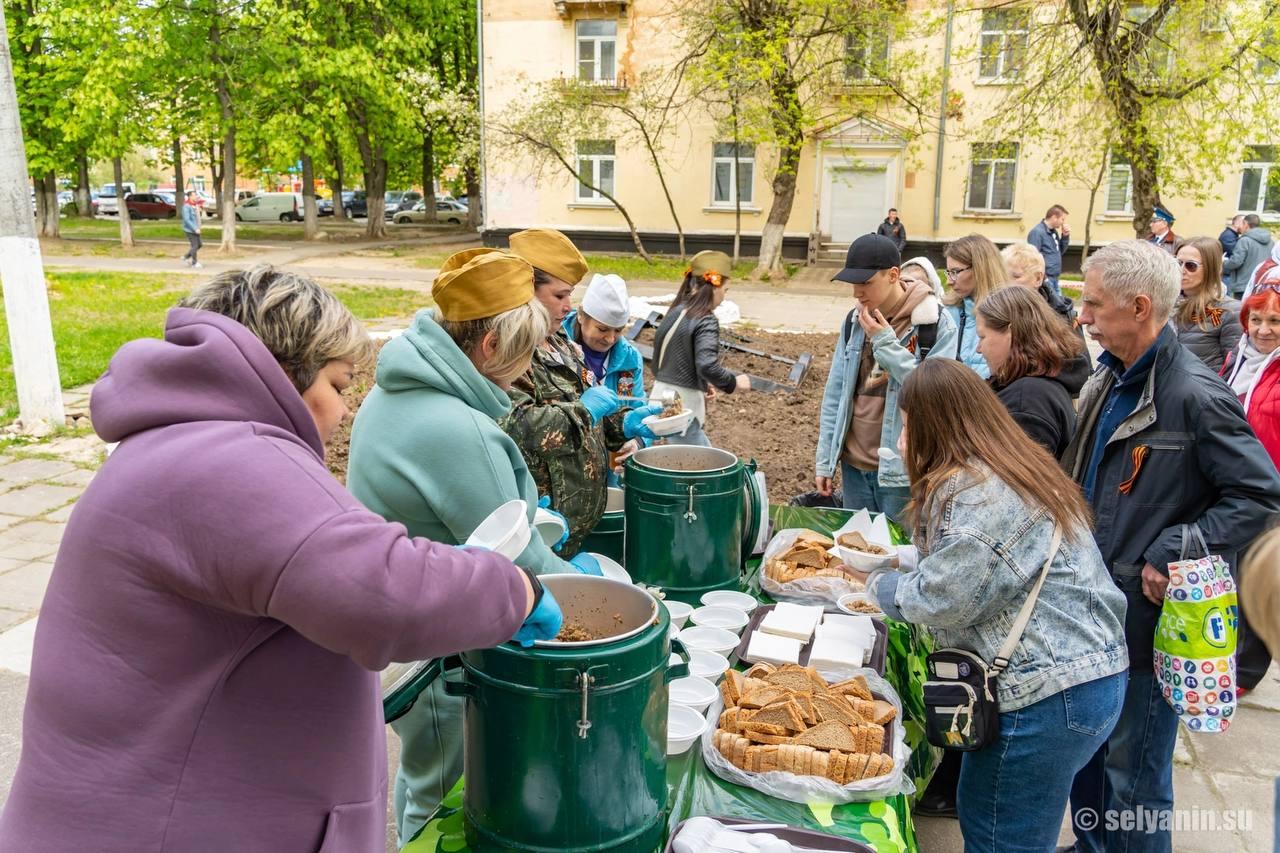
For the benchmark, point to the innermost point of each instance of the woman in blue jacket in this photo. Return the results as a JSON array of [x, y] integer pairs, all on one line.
[[974, 269]]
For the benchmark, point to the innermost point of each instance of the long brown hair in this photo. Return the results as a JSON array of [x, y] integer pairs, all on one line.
[[1039, 342], [1197, 308], [696, 294], [955, 422], [981, 256]]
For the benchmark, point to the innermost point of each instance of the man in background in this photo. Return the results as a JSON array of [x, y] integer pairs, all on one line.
[[893, 228], [1228, 239], [1051, 236]]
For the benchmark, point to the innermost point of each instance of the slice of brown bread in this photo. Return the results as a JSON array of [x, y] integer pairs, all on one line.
[[820, 764], [763, 696], [762, 759], [834, 707], [874, 763], [805, 701], [760, 670], [785, 713], [876, 711], [856, 767], [806, 554], [856, 686], [761, 737], [813, 537], [731, 687], [835, 765], [792, 679], [728, 720], [829, 735], [740, 747], [746, 726]]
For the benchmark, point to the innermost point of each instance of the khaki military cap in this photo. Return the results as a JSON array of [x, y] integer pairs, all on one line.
[[551, 252], [457, 259], [486, 285]]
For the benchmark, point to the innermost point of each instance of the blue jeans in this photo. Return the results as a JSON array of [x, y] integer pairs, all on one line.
[[693, 435], [863, 489], [1133, 768], [1013, 793]]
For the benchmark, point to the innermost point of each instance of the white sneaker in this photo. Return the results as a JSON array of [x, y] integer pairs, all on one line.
[[198, 266]]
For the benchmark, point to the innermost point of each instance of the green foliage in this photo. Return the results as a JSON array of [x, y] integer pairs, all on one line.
[[94, 313]]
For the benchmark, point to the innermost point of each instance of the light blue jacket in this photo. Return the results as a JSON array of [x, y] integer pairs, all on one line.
[[981, 549], [965, 349], [190, 218], [623, 366], [898, 357]]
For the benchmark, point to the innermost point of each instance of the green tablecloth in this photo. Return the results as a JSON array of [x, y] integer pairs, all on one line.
[[694, 790]]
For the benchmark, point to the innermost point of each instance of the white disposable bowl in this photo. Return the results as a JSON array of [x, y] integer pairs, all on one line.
[[679, 612], [728, 598], [693, 692], [862, 561], [684, 726], [716, 640], [505, 531], [549, 527], [611, 569], [709, 665], [673, 425], [616, 500], [844, 602], [720, 617]]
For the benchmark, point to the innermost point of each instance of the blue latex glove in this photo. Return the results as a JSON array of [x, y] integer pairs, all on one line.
[[587, 564], [543, 623], [633, 424], [544, 502], [600, 402]]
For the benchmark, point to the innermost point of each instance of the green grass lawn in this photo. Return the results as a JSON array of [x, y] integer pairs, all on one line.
[[171, 229], [95, 312], [630, 267]]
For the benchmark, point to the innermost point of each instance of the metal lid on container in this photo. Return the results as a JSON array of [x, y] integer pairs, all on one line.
[[685, 459]]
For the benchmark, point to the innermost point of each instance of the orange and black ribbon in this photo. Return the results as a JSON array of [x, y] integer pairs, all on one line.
[[1214, 315], [1140, 454]]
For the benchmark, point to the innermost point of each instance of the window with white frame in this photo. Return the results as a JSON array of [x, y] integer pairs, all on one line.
[[1119, 184], [866, 56], [993, 169], [1260, 180], [1002, 43], [597, 50], [733, 170], [595, 166]]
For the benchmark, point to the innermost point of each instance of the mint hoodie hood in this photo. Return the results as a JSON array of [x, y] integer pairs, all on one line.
[[426, 448]]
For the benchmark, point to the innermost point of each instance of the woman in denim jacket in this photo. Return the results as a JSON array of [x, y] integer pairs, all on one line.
[[985, 501]]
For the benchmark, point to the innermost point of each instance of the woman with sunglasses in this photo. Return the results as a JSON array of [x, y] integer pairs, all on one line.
[[1208, 322], [1253, 372], [974, 269]]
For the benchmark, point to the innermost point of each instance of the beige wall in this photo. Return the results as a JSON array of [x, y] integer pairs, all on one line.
[[528, 37]]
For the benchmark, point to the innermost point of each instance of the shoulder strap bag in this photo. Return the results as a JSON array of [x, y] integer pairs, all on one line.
[[961, 710]]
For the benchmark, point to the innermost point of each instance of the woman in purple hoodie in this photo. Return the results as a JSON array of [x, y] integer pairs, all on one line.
[[204, 674]]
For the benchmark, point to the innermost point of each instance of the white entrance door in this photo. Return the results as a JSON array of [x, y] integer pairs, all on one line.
[[858, 202]]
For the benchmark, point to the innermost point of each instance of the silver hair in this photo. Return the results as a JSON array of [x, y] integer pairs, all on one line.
[[301, 324], [1133, 268]]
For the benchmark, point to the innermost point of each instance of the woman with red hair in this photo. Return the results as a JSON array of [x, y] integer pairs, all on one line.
[[1253, 372]]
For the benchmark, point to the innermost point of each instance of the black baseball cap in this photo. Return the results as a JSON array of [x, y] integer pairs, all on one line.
[[869, 254]]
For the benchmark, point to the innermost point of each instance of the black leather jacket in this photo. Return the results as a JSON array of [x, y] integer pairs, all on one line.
[[692, 357]]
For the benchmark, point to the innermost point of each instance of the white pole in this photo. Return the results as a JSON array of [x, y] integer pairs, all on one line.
[[26, 304]]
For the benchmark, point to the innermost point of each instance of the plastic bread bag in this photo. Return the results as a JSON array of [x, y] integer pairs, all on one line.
[[816, 789], [816, 590]]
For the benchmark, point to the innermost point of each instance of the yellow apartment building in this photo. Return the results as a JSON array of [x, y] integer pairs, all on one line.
[[944, 185]]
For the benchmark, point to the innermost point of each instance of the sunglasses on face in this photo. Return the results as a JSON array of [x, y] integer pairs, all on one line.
[[1190, 266], [955, 273]]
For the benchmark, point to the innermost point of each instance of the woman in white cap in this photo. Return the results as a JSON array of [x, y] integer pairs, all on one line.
[[597, 327]]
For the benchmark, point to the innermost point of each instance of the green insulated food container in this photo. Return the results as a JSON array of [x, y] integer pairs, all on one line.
[[566, 741], [684, 508], [607, 537]]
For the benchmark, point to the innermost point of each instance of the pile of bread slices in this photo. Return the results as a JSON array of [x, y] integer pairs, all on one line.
[[791, 719], [808, 558]]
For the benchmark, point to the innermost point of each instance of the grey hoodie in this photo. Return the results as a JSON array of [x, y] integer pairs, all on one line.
[[1251, 249]]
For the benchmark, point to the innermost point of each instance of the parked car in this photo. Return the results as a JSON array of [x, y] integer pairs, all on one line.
[[453, 212], [400, 202], [108, 203], [150, 206], [355, 203], [324, 207], [417, 214], [268, 207]]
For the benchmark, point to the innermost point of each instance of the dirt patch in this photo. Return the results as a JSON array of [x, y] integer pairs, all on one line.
[[778, 430]]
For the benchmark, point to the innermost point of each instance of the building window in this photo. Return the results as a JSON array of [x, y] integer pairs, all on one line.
[[992, 172], [1119, 185], [1156, 61], [1002, 43], [595, 165], [1260, 181], [730, 174], [1268, 70], [866, 56], [597, 49]]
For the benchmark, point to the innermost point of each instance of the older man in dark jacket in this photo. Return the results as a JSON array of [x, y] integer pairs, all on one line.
[[1161, 443]]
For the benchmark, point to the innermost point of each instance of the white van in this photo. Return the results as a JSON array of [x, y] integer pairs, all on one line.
[[268, 207]]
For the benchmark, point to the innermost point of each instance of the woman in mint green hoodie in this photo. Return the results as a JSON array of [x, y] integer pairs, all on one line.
[[426, 451]]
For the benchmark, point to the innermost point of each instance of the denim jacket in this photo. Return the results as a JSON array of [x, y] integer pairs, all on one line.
[[981, 550], [898, 357]]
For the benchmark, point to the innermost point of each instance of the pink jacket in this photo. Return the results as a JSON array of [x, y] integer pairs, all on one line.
[[204, 676]]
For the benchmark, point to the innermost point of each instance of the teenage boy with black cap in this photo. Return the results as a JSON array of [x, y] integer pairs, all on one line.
[[890, 330]]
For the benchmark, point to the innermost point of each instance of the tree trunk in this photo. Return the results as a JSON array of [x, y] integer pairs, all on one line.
[[215, 170], [1093, 197], [429, 170], [228, 206], [126, 225], [375, 186], [475, 214], [769, 265], [339, 212], [310, 217], [84, 194], [179, 179], [51, 226]]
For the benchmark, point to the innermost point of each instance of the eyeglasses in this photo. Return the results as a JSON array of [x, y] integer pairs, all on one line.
[[1190, 266], [955, 273]]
